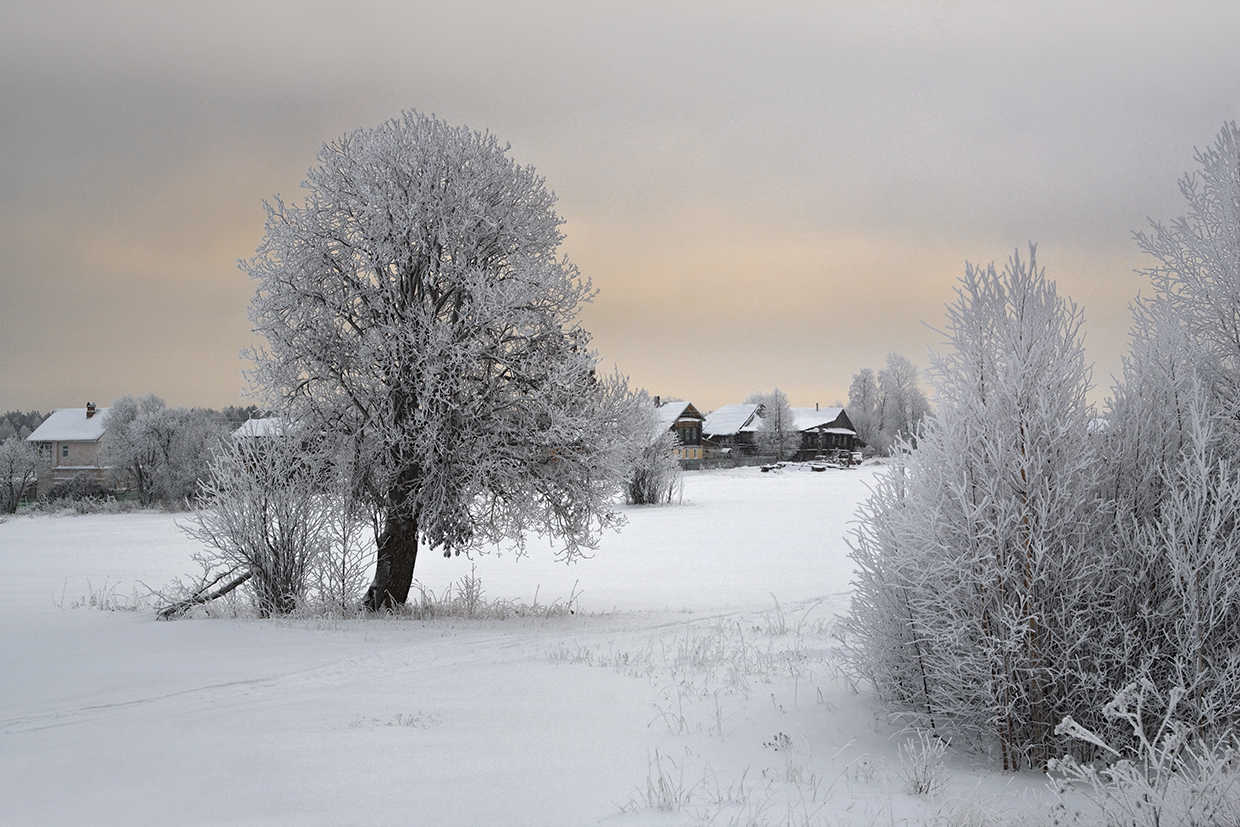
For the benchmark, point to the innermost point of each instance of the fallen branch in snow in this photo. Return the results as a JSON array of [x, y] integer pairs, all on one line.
[[202, 595]]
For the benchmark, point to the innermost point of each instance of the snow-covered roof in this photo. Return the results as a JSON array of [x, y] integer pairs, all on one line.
[[807, 419], [666, 414], [731, 419], [264, 427], [844, 431], [70, 425]]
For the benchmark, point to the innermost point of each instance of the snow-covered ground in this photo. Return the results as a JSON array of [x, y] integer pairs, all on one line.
[[695, 673]]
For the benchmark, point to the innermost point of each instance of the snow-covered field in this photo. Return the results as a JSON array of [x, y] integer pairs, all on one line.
[[678, 692]]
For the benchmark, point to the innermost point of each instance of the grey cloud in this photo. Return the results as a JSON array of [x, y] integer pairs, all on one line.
[[141, 138]]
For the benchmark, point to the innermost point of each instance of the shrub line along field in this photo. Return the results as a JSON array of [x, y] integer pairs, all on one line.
[[684, 674]]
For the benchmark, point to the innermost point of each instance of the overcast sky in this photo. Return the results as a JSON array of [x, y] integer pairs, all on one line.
[[774, 197]]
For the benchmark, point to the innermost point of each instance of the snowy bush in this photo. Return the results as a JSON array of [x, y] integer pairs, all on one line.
[[967, 602], [1172, 467], [921, 763], [263, 511], [19, 471], [1163, 776], [1173, 611], [77, 493], [655, 474], [1027, 557], [339, 575]]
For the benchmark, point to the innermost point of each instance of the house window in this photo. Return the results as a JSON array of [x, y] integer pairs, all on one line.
[[64, 451]]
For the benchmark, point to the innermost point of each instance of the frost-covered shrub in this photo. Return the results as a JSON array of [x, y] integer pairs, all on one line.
[[1163, 775], [339, 575], [967, 608], [1171, 611], [655, 477], [1146, 427], [921, 763], [19, 471], [1028, 558], [78, 487], [1171, 456], [262, 509]]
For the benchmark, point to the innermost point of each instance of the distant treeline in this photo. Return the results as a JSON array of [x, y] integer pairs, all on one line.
[[22, 423], [19, 423]]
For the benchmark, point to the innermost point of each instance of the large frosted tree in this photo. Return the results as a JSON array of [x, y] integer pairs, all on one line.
[[416, 307]]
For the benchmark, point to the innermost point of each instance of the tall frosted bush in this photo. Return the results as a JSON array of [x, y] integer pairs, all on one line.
[[972, 552]]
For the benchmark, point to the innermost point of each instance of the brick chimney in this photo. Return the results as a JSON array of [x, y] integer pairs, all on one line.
[[656, 401], [90, 409]]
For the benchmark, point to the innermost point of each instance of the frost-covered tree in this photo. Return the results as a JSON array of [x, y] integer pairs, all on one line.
[[162, 452], [889, 406], [1197, 270], [20, 423], [970, 564], [863, 405], [901, 404], [777, 434], [186, 440], [416, 304], [126, 446], [19, 469]]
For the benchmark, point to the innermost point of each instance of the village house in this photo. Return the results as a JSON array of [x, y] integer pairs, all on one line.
[[685, 420], [823, 430], [731, 429], [68, 445]]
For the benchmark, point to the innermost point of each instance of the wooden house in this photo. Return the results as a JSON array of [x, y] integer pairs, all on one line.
[[823, 430], [731, 429], [686, 421]]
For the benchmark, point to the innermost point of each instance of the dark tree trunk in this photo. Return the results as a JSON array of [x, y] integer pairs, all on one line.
[[397, 552]]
